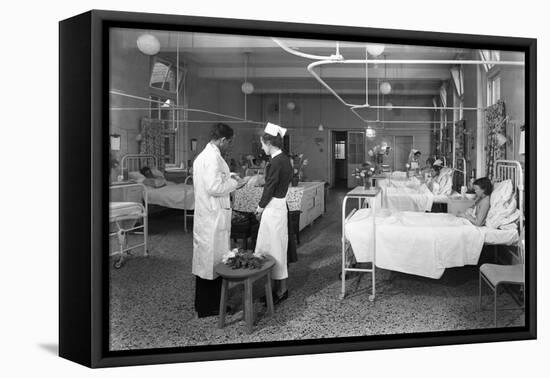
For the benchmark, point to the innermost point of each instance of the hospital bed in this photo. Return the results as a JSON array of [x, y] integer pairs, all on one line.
[[173, 196], [124, 219], [423, 244], [404, 193]]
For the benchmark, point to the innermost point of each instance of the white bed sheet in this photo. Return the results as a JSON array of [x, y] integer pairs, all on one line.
[[174, 196], [423, 244], [501, 237], [124, 210], [407, 198]]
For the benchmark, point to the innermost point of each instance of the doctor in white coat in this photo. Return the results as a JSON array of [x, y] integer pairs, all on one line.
[[212, 184]]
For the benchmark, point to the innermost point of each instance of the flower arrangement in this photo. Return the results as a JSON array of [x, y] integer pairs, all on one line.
[[243, 259], [364, 173], [298, 163], [377, 155]]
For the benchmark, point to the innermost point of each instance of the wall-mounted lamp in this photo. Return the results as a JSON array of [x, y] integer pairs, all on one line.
[[193, 144], [115, 142]]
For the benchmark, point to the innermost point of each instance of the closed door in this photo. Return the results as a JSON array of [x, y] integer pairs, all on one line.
[[403, 147], [356, 155]]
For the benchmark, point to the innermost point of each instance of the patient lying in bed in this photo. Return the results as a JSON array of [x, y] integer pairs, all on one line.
[[152, 180]]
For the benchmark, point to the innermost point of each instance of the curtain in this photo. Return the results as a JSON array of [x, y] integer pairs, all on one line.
[[495, 117], [152, 140]]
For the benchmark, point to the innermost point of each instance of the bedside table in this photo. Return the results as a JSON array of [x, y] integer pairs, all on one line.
[[457, 205]]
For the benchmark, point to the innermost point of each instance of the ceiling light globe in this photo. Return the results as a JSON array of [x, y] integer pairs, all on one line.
[[247, 87], [385, 88], [375, 49], [148, 44]]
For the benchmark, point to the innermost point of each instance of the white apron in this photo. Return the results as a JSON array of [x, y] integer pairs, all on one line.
[[212, 219], [273, 236]]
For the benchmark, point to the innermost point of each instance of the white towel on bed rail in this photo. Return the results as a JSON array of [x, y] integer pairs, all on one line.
[[423, 244]]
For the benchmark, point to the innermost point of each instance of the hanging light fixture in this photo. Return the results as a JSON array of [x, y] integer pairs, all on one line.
[[371, 133], [148, 44], [375, 49], [320, 128], [389, 106], [385, 86], [247, 87]]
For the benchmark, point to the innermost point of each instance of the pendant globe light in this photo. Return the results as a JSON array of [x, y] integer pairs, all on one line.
[[375, 49], [246, 87], [385, 86], [321, 127], [148, 44]]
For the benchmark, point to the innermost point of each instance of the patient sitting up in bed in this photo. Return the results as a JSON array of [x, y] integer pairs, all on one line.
[[477, 214], [152, 180]]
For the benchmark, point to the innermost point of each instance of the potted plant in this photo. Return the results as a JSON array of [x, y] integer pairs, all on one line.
[[298, 162]]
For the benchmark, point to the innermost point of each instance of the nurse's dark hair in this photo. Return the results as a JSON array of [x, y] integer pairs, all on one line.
[[221, 130], [485, 184], [276, 141]]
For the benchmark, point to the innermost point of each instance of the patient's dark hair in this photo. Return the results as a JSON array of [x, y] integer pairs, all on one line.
[[221, 130], [485, 184], [276, 141], [146, 171]]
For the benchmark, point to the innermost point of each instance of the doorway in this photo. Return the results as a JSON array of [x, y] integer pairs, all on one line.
[[403, 147], [339, 159]]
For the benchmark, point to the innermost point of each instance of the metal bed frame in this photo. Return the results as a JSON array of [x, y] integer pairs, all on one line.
[[122, 232], [504, 170], [134, 162]]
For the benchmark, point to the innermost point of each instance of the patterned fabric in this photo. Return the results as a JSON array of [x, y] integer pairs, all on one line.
[[248, 197], [495, 125], [152, 140]]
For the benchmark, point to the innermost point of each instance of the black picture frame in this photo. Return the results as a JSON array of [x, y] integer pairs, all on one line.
[[83, 196]]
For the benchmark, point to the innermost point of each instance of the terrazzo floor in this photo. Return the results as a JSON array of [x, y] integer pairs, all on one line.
[[151, 298]]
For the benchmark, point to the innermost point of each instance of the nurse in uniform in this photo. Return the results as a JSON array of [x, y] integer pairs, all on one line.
[[272, 210]]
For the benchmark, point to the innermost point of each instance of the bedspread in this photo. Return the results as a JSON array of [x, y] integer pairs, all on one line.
[[174, 196], [423, 244]]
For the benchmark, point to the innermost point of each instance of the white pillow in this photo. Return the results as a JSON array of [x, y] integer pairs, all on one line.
[[503, 210], [156, 172], [136, 176]]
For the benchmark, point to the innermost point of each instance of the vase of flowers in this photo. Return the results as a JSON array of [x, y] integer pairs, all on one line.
[[298, 163], [364, 173], [377, 155]]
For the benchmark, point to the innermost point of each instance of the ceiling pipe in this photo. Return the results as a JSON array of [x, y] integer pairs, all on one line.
[[336, 56]]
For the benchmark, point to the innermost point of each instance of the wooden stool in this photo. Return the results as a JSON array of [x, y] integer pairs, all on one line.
[[246, 277]]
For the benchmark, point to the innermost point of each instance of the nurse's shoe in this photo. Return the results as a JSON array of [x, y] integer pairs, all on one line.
[[279, 298]]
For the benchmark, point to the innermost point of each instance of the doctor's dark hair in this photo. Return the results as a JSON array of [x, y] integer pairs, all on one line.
[[221, 130], [485, 184], [276, 141]]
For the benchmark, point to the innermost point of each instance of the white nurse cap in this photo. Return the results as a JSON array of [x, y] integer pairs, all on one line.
[[274, 130]]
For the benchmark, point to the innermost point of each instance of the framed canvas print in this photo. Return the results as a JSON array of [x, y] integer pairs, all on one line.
[[234, 188]]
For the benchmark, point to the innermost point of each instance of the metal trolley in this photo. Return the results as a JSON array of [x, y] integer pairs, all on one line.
[[365, 197], [125, 215]]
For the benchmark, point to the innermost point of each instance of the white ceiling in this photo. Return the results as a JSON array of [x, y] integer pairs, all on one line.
[[273, 70]]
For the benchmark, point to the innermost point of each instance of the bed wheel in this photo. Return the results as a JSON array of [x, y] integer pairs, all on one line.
[[371, 298], [118, 264], [342, 296]]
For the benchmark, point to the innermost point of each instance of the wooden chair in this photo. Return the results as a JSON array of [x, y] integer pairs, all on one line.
[[495, 275]]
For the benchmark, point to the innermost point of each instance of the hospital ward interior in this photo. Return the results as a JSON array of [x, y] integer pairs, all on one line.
[[406, 205]]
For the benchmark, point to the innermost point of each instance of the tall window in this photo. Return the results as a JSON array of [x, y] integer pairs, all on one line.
[[161, 109], [489, 55], [163, 75], [493, 90]]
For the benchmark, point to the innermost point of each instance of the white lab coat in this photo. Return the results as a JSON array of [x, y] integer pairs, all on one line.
[[212, 220]]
